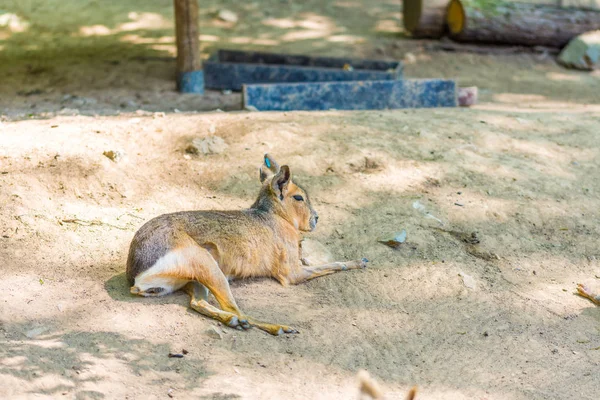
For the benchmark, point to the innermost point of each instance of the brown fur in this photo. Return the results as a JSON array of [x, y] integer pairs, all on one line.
[[205, 248], [369, 388]]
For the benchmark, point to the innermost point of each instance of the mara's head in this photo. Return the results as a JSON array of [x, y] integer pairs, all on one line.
[[285, 198]]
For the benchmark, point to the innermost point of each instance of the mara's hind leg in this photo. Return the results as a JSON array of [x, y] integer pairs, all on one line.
[[209, 274], [202, 270], [198, 302], [179, 266]]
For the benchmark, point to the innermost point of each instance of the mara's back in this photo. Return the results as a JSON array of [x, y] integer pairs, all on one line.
[[232, 238]]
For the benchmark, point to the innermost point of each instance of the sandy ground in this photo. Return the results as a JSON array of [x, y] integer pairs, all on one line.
[[491, 320]]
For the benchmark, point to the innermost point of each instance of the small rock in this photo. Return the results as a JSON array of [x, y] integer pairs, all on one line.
[[208, 145], [170, 392], [582, 52], [467, 96], [214, 333], [250, 108], [114, 155], [395, 241], [32, 333], [418, 206], [69, 111], [468, 280], [227, 16], [409, 58], [212, 129]]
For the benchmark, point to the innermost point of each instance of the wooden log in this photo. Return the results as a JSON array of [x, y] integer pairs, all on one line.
[[189, 74], [504, 22], [425, 18]]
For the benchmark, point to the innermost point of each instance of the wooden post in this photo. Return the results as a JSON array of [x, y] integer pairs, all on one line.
[[425, 18], [190, 78]]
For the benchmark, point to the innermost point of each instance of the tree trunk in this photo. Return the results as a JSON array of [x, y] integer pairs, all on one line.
[[504, 22], [189, 75], [425, 18]]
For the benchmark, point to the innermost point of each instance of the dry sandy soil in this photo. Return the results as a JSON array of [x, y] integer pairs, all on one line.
[[497, 320]]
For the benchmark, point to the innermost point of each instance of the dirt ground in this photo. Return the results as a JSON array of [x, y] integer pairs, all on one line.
[[495, 320]]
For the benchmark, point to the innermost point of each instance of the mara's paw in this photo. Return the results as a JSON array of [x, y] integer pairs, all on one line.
[[356, 264], [236, 322], [284, 329]]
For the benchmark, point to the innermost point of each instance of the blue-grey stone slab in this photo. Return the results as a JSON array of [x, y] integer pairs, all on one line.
[[355, 95], [232, 69], [253, 57]]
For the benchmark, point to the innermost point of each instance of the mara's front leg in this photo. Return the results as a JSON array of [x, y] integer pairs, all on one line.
[[305, 273], [584, 291]]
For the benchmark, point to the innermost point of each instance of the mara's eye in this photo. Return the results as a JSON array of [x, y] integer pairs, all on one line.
[[298, 197]]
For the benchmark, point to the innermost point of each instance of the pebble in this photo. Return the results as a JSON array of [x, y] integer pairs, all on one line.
[[582, 52], [114, 155], [214, 333], [32, 333], [227, 16], [208, 145], [468, 280], [467, 96], [409, 58]]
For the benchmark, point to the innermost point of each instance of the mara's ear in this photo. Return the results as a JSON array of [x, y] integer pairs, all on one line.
[[281, 181], [269, 168]]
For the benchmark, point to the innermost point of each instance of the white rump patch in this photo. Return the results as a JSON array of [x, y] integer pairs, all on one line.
[[149, 279]]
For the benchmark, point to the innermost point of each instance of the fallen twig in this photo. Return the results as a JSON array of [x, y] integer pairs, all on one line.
[[89, 223]]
